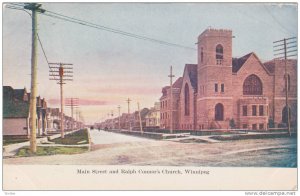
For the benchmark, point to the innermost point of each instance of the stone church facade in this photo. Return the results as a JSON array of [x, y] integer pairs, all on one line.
[[220, 89]]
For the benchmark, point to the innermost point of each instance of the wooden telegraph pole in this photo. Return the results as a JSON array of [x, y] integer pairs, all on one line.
[[171, 100], [72, 103], [141, 126], [59, 71], [119, 108], [283, 49], [129, 123], [34, 7]]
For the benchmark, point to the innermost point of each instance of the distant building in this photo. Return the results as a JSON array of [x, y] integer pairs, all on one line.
[[153, 117], [220, 88], [165, 106], [136, 118], [15, 112], [53, 119], [16, 116]]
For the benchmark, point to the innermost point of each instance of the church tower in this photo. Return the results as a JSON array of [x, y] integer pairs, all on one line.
[[214, 99]]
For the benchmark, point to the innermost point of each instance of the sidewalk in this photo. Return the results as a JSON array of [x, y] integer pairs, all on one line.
[[11, 150], [222, 138]]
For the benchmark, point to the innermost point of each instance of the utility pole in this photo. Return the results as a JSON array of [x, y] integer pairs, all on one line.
[[287, 49], [108, 115], [129, 122], [72, 103], [171, 100], [119, 108], [112, 120], [140, 118], [59, 71], [34, 7]]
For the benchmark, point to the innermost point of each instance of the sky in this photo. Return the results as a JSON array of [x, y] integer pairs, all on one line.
[[109, 67]]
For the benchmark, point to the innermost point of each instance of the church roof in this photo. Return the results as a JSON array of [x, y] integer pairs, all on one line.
[[192, 73], [270, 66], [237, 63]]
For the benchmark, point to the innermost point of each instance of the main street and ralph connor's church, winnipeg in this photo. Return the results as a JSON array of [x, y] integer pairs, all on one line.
[[221, 92]]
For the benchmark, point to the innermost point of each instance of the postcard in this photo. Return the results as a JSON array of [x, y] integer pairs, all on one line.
[[150, 96]]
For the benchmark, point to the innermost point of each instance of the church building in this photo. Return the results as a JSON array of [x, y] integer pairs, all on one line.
[[221, 92]]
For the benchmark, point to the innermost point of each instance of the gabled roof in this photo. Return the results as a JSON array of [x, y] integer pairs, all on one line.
[[18, 109], [8, 92], [191, 69], [13, 104], [177, 83], [270, 66], [144, 112], [19, 93], [237, 63]]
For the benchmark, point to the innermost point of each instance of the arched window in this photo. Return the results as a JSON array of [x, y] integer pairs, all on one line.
[[288, 82], [201, 55], [252, 85], [219, 52], [284, 115], [186, 100], [219, 112]]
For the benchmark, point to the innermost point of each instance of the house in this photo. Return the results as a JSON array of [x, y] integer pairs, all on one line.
[[16, 116], [153, 116]]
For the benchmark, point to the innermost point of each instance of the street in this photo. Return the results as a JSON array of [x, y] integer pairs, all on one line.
[[117, 149]]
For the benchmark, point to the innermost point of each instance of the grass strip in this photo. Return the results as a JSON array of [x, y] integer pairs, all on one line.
[[51, 150], [74, 138]]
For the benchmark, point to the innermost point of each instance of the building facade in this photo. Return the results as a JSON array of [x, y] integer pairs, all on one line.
[[221, 92], [153, 117], [166, 108]]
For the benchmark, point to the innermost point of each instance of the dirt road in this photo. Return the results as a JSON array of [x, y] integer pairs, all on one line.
[[117, 149]]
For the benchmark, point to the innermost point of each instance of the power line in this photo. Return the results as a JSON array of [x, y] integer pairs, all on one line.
[[104, 28], [38, 36], [100, 27], [14, 7], [285, 29], [42, 48], [44, 53]]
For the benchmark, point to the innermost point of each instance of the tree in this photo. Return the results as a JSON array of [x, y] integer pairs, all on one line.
[[271, 123], [232, 123]]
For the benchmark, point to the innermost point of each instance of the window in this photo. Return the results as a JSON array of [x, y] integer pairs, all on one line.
[[186, 100], [216, 87], [219, 112], [245, 110], [201, 55], [254, 127], [252, 85], [288, 82], [245, 126], [261, 110], [254, 110], [219, 54], [261, 126], [219, 51], [222, 88]]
